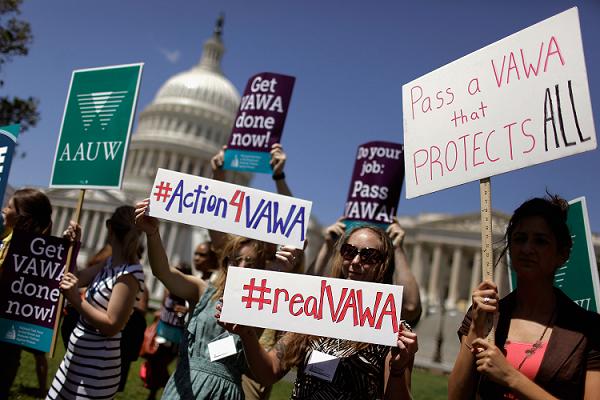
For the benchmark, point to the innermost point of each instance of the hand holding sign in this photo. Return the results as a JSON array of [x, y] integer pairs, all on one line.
[[402, 354], [216, 163], [259, 123], [148, 224], [69, 286], [376, 183]]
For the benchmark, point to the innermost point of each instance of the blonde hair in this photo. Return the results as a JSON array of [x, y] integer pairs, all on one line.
[[232, 246]]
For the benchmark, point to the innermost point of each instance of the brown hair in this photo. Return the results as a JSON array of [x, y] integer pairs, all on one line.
[[34, 211], [298, 344], [232, 246], [122, 225]]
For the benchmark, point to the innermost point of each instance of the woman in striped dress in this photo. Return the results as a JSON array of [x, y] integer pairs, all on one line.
[[92, 364]]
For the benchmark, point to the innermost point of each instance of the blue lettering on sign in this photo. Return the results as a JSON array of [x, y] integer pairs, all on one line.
[[196, 201], [269, 210], [266, 212]]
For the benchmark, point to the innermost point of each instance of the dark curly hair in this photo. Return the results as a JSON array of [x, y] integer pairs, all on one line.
[[553, 210]]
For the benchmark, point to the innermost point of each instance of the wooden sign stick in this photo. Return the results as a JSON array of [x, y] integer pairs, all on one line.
[[67, 265], [487, 259]]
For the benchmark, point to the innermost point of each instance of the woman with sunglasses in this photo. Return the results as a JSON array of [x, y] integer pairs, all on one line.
[[411, 298], [196, 377], [364, 370]]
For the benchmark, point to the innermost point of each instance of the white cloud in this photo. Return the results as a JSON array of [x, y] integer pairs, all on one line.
[[171, 56]]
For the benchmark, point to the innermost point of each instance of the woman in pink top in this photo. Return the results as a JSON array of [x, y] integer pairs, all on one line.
[[546, 347]]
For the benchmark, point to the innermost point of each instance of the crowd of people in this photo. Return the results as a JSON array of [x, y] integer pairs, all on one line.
[[545, 346]]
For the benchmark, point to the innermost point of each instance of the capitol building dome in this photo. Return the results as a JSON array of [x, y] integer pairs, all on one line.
[[200, 88], [186, 124]]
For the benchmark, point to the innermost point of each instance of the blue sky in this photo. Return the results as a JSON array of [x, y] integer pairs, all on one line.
[[350, 59]]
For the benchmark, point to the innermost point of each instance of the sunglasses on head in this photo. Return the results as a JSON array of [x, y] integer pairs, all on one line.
[[367, 255]]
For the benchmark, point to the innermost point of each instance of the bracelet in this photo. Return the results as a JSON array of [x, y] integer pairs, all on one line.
[[279, 176]]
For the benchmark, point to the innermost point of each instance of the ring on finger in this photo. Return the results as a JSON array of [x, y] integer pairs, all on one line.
[[486, 300]]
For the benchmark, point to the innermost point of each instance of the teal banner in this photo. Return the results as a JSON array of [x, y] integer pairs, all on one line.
[[96, 126], [248, 161], [8, 142], [24, 334]]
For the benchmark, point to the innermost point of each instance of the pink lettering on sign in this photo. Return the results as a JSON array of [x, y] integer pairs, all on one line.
[[471, 150], [549, 52], [348, 305]]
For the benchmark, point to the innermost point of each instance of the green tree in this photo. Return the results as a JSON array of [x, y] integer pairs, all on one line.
[[15, 37]]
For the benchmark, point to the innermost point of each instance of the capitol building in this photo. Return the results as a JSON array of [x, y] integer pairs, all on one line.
[[190, 119], [186, 124]]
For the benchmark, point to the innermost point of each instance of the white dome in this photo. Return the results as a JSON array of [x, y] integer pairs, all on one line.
[[199, 87]]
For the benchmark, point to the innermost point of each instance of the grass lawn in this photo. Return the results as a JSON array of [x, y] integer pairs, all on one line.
[[425, 385]]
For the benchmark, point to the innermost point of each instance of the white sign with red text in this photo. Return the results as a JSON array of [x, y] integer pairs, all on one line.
[[229, 208], [337, 308], [520, 101]]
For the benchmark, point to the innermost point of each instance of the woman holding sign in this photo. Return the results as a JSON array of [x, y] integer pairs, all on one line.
[[27, 210], [546, 346], [363, 370], [91, 367], [196, 376]]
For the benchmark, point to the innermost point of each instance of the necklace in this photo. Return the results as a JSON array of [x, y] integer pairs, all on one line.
[[537, 344]]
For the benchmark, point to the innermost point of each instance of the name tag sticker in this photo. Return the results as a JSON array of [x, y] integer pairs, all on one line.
[[322, 365], [221, 348]]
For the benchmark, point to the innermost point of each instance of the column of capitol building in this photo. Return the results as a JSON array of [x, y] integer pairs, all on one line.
[[189, 120]]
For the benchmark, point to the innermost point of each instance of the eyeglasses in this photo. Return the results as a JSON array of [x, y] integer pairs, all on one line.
[[367, 255]]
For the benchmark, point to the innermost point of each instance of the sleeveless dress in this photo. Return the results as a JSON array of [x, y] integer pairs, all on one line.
[[91, 368], [196, 377], [359, 374]]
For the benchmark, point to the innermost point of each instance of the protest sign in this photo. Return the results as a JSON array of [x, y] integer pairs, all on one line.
[[8, 141], [29, 289], [229, 208], [578, 277], [521, 101], [259, 122], [337, 308], [376, 183], [96, 126]]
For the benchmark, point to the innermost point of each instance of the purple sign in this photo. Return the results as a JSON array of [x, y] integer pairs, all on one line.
[[376, 183], [259, 122], [29, 289]]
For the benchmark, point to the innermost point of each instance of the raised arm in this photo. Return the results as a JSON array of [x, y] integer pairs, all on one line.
[[278, 159], [187, 287], [411, 298], [331, 234], [86, 275], [218, 238]]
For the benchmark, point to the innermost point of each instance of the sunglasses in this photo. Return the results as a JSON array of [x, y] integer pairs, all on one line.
[[236, 261], [367, 255]]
